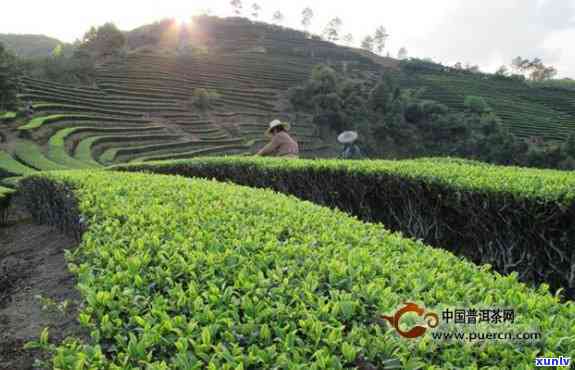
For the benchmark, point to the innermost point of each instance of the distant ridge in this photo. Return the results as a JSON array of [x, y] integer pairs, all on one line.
[[30, 46]]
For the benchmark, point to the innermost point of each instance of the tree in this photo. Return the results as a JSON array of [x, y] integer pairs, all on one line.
[[331, 31], [519, 64], [476, 104], [569, 146], [402, 53], [57, 51], [382, 96], [103, 41], [348, 39], [203, 99], [458, 66], [307, 15], [8, 82], [471, 68], [256, 8], [542, 72], [535, 68], [502, 71], [367, 43], [278, 17], [237, 6], [380, 38]]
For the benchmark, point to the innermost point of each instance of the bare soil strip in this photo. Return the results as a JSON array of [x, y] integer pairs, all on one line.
[[32, 265]]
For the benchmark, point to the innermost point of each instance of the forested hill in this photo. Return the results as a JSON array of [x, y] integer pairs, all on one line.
[[31, 46]]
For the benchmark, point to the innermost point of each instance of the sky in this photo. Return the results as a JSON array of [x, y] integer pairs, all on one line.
[[488, 33]]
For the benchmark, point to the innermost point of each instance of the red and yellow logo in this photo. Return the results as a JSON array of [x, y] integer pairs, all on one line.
[[431, 319]]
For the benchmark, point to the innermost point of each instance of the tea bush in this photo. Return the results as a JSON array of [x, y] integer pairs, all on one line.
[[5, 197], [514, 218], [190, 274]]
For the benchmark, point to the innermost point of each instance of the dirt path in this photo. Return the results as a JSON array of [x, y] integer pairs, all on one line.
[[32, 265]]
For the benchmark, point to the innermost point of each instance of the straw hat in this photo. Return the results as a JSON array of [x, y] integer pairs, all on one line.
[[276, 123], [347, 137]]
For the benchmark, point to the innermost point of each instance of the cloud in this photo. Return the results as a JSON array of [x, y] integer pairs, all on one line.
[[491, 35]]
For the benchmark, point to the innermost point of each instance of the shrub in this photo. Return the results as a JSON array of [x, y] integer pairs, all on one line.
[[413, 112], [514, 218], [5, 197], [203, 99], [199, 274], [476, 104], [430, 107], [9, 71]]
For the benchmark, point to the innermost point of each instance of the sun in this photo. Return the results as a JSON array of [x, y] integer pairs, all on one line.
[[183, 19]]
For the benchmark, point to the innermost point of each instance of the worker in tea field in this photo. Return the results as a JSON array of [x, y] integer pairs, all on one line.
[[350, 149], [29, 109], [281, 144]]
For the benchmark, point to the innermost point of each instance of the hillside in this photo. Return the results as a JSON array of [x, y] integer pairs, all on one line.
[[30, 46], [138, 108], [547, 112], [139, 105]]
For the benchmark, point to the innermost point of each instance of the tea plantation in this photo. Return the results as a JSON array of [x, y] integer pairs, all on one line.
[[192, 256], [528, 111], [262, 280]]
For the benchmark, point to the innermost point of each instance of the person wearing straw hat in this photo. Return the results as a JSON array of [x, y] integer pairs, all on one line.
[[281, 144], [350, 149]]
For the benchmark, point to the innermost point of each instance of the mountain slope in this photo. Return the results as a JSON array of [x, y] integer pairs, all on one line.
[[30, 46], [140, 106], [527, 110]]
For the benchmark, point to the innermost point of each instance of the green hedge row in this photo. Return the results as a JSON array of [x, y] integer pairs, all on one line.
[[198, 274], [10, 166], [516, 219]]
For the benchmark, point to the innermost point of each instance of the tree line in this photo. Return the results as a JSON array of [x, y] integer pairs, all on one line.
[[398, 123], [76, 67], [332, 31]]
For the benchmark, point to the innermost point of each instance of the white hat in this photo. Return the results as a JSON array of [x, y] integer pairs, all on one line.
[[276, 123], [347, 137]]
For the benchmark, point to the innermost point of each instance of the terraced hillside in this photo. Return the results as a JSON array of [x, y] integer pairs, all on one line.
[[139, 106], [528, 111]]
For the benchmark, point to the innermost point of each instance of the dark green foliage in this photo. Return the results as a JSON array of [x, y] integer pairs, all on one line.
[[77, 69], [569, 146], [418, 111], [414, 112], [431, 107], [415, 64], [565, 83], [5, 198], [106, 40], [203, 99], [399, 123], [476, 104], [8, 80], [325, 96]]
